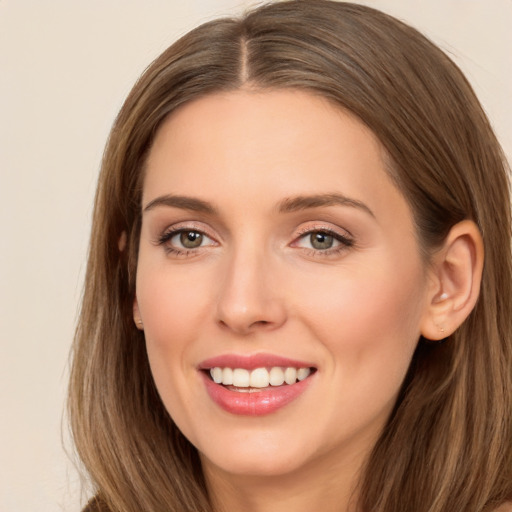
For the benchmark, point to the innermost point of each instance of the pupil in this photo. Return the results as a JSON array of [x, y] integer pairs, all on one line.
[[321, 240], [191, 239]]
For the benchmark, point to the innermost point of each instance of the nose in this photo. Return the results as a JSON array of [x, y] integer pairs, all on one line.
[[250, 297]]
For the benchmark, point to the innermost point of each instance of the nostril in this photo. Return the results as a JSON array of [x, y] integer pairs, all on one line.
[[249, 319], [259, 324]]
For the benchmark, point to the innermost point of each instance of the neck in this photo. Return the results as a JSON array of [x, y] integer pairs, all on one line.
[[331, 489]]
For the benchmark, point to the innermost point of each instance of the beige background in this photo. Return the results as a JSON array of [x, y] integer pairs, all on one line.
[[65, 67]]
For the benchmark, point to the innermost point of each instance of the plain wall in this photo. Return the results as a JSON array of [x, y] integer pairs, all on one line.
[[65, 68]]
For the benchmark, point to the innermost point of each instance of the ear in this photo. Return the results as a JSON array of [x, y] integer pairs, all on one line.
[[456, 273], [136, 315]]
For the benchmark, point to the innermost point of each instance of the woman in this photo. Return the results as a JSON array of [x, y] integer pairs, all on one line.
[[286, 300]]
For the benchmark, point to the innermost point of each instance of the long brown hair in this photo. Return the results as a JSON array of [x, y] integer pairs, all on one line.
[[448, 444]]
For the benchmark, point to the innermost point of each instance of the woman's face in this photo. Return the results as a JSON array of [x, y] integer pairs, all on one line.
[[274, 246]]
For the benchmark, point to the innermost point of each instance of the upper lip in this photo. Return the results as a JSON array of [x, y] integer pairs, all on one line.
[[250, 362]]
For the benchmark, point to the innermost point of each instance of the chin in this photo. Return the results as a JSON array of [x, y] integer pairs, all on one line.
[[267, 456]]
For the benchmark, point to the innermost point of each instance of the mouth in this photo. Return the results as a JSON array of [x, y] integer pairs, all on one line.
[[243, 380], [255, 385]]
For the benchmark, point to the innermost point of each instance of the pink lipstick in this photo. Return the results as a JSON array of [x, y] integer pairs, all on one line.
[[255, 385]]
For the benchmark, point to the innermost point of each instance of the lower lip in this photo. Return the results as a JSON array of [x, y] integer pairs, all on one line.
[[256, 403]]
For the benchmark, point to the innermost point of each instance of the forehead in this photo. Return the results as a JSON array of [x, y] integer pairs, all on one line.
[[271, 144]]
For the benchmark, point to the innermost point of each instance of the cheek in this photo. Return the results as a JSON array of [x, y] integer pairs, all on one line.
[[172, 307], [386, 306], [364, 321], [370, 317], [172, 304]]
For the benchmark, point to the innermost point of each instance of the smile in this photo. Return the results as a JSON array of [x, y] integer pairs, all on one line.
[[244, 380], [255, 385]]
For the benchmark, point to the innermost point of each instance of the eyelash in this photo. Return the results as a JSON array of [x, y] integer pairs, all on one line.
[[345, 242], [165, 238]]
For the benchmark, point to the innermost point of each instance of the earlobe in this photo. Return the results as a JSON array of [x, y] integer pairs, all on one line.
[[136, 315], [456, 275]]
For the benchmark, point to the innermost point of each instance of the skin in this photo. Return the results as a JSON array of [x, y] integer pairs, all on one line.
[[256, 284]]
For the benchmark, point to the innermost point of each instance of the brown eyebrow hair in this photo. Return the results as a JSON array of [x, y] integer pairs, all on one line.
[[288, 205], [183, 202], [293, 204]]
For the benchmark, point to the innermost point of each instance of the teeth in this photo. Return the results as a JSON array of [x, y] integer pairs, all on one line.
[[259, 377], [241, 378], [216, 374], [276, 377], [290, 375], [227, 376], [303, 373]]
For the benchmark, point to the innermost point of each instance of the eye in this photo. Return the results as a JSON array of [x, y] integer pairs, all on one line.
[[323, 241], [188, 239], [181, 241]]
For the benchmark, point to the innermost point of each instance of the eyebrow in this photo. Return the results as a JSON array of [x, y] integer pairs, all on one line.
[[293, 204], [288, 205], [182, 202]]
